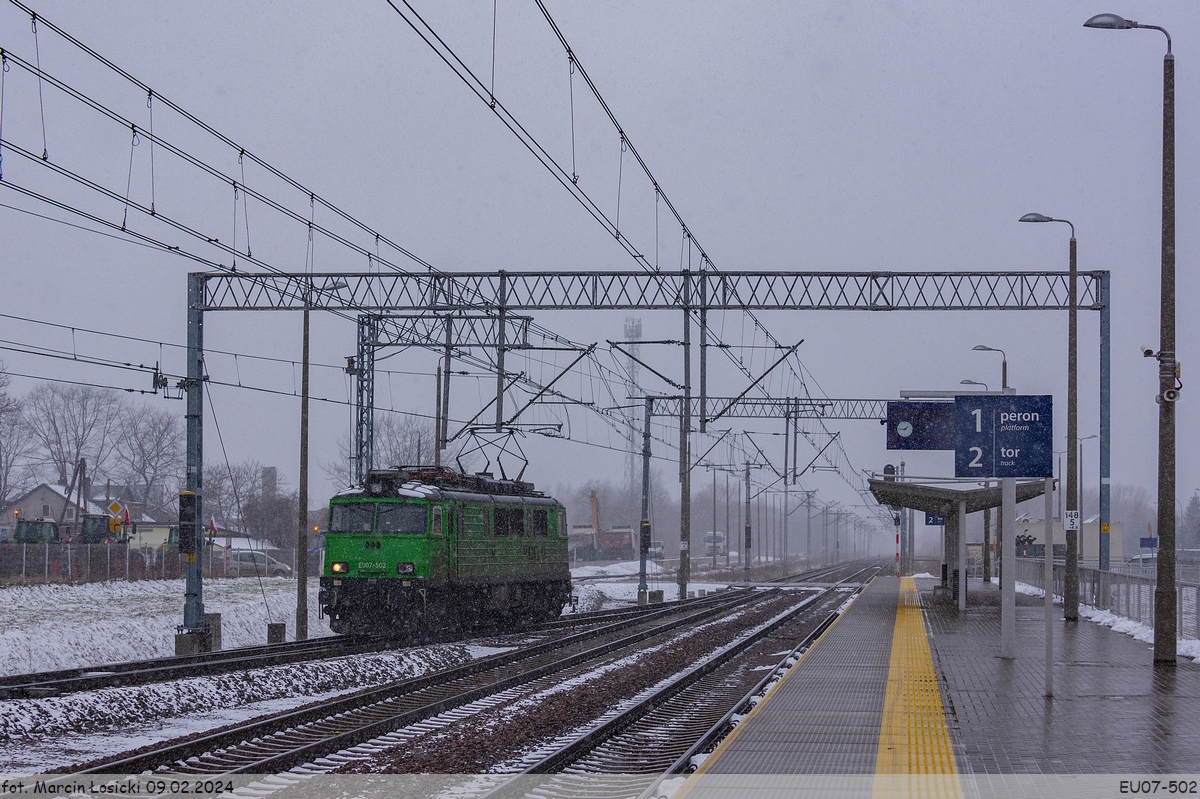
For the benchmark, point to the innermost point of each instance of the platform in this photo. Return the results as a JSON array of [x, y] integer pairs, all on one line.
[[904, 685]]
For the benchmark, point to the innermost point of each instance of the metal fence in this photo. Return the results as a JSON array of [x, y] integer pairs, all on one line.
[[27, 564], [1128, 595]]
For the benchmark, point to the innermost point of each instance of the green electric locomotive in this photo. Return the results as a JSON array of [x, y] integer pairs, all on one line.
[[426, 551]]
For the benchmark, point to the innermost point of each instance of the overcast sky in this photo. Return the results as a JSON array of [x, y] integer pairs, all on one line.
[[848, 136]]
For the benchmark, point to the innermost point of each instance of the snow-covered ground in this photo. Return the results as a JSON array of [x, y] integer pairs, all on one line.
[[616, 585], [48, 627], [1188, 647], [41, 734]]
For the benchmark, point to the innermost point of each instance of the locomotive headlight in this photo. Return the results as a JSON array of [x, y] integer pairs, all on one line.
[[340, 568], [404, 568]]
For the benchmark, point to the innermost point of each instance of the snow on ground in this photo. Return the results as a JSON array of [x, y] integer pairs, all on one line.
[[594, 594], [39, 734], [50, 627], [620, 569], [1188, 647]]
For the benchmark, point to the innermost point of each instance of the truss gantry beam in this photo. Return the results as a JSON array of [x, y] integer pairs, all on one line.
[[546, 291], [774, 407], [466, 330]]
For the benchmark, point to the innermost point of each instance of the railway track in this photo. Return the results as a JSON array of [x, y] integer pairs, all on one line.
[[143, 672], [308, 737], [286, 740], [665, 729]]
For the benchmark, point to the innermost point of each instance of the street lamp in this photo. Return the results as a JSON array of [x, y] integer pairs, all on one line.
[[974, 383], [1085, 438], [1003, 363], [1168, 368], [1071, 580]]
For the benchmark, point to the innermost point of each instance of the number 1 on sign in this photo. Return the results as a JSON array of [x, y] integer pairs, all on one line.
[[978, 414]]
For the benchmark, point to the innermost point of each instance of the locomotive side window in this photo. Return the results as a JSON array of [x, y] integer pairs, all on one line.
[[357, 517], [539, 522], [437, 521], [403, 519], [510, 522]]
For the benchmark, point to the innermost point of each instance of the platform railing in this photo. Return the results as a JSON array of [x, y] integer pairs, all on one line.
[[1130, 596]]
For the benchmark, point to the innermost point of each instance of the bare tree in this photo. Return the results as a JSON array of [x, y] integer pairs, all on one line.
[[228, 490], [150, 452], [73, 422], [16, 446], [399, 441]]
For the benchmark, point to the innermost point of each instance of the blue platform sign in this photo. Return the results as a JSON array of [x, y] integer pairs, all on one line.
[[933, 520], [1147, 543], [1003, 436], [920, 425]]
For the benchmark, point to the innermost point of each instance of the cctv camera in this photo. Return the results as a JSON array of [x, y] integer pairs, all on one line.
[[1147, 352]]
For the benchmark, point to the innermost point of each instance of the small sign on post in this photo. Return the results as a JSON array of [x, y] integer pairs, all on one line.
[[933, 520], [1148, 543], [1071, 519]]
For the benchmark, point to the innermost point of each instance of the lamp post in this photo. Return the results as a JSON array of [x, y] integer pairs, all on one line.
[[1168, 369], [987, 512], [1081, 481], [1003, 364], [974, 383], [1071, 580]]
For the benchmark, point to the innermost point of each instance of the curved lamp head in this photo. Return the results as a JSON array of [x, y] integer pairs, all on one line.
[[1110, 22], [986, 348], [1035, 218], [974, 383]]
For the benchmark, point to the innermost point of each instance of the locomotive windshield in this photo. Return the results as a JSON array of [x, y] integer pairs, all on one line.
[[402, 519], [358, 517], [394, 518]]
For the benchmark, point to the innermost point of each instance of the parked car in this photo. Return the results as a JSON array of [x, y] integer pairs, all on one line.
[[252, 564], [655, 552]]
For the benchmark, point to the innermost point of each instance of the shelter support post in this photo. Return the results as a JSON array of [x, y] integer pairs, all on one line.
[[1049, 585], [1008, 565], [962, 556]]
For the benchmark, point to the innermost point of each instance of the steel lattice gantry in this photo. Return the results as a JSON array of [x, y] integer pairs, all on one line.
[[546, 291], [449, 332], [693, 292]]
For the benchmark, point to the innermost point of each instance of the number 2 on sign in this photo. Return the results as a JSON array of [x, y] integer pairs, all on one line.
[[975, 463], [978, 414]]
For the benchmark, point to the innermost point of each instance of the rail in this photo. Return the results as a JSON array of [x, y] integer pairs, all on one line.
[[295, 737]]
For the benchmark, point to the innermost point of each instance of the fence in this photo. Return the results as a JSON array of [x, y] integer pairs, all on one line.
[[60, 562], [1128, 595]]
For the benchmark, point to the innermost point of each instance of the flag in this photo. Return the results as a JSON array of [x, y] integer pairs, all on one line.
[[212, 523]]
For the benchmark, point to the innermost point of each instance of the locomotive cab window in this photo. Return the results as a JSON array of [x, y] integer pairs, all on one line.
[[356, 517], [539, 522], [437, 520], [403, 519], [510, 522]]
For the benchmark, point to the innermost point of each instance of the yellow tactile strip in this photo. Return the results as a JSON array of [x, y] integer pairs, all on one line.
[[914, 738]]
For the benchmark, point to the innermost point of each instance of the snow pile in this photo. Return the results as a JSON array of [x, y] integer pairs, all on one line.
[[50, 627], [1188, 647]]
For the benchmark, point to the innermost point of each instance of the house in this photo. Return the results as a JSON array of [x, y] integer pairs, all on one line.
[[50, 501]]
